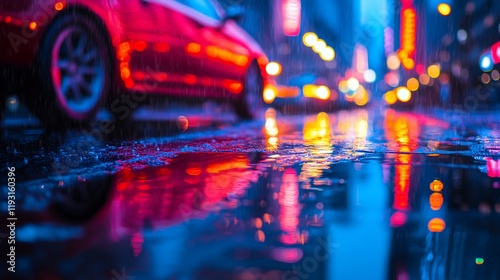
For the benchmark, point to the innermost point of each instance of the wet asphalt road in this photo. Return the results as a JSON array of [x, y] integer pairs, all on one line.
[[363, 194]]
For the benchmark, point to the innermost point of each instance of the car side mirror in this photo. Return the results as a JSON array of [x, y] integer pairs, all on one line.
[[234, 13]]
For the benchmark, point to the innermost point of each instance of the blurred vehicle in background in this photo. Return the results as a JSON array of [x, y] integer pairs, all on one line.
[[355, 86], [86, 53], [307, 90]]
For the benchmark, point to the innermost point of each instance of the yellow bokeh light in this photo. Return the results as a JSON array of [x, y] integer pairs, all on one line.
[[269, 94], [444, 9], [408, 63], [323, 92], [434, 71], [343, 86], [309, 39], [403, 94], [361, 97], [314, 91], [390, 97], [412, 84]]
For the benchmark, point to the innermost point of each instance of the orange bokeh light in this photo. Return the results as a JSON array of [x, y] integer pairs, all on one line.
[[193, 48], [58, 6], [125, 73], [233, 86], [436, 201], [436, 186], [32, 25], [226, 56], [436, 225]]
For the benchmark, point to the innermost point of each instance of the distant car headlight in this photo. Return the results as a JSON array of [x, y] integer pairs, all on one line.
[[322, 92], [314, 91], [273, 68], [352, 84], [269, 94], [403, 94]]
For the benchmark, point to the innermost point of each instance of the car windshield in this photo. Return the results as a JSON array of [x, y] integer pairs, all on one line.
[[205, 7]]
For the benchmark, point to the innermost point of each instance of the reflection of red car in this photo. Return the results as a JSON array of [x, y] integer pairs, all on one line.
[[188, 188], [82, 51]]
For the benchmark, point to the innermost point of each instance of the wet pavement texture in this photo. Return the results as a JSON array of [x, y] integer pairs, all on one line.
[[362, 194]]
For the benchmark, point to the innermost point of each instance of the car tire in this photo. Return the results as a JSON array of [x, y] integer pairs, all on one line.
[[74, 72], [251, 103]]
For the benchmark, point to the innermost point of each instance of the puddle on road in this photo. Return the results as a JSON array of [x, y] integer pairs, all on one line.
[[344, 196], [243, 216]]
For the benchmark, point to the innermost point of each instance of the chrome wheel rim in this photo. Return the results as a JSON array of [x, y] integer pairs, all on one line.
[[77, 70]]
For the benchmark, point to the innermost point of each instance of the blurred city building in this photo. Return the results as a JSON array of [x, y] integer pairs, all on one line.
[[338, 29], [427, 52], [450, 38]]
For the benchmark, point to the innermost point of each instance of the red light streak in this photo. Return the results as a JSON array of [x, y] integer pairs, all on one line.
[[493, 167], [290, 207]]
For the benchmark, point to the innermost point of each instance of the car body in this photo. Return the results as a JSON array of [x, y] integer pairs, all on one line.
[[185, 48]]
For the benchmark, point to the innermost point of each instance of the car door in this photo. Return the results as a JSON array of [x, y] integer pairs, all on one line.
[[152, 55], [179, 35], [223, 60]]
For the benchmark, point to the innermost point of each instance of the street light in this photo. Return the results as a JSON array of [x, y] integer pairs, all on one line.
[[319, 46], [309, 39], [444, 9], [328, 54]]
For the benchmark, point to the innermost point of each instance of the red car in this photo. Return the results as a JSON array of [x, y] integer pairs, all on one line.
[[86, 53]]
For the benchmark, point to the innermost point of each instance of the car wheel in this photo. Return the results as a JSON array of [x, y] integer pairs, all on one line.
[[251, 103], [74, 73]]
